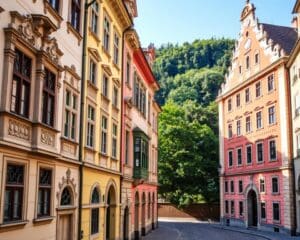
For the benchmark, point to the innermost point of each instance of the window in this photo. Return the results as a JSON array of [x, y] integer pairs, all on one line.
[[232, 207], [128, 70], [115, 96], [106, 34], [116, 48], [232, 186], [247, 62], [54, 4], [241, 208], [94, 17], [104, 135], [14, 190], [226, 207], [149, 108], [44, 195], [238, 100], [263, 210], [93, 72], [127, 139], [248, 124], [114, 141], [276, 212], [239, 156], [262, 185], [298, 145], [240, 69], [226, 186], [258, 89], [247, 95], [249, 154], [240, 186], [271, 115], [230, 158], [256, 58], [105, 85], [70, 115], [95, 211], [90, 126], [229, 105], [139, 96], [238, 128], [272, 150], [259, 152], [66, 197], [75, 14], [230, 131], [141, 152], [297, 105], [271, 83], [20, 93], [258, 120], [275, 185], [49, 98]]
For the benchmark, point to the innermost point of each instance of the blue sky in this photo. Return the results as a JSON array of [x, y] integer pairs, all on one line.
[[178, 21]]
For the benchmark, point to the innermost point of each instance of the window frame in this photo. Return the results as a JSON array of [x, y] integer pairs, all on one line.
[[94, 17], [70, 109], [46, 95], [247, 162], [104, 129], [260, 143], [106, 33], [262, 185], [271, 77], [116, 55], [114, 144], [238, 100], [269, 152], [259, 120], [247, 95], [258, 92], [75, 9], [230, 152], [241, 208], [272, 184], [263, 218], [90, 133], [105, 85], [272, 115], [45, 187], [248, 124], [273, 215], [239, 160]]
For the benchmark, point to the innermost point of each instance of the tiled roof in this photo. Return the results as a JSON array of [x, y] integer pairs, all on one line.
[[286, 37]]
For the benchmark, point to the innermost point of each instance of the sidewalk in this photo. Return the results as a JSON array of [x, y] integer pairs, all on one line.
[[266, 235]]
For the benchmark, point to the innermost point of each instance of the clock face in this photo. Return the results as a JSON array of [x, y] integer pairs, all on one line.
[[248, 44]]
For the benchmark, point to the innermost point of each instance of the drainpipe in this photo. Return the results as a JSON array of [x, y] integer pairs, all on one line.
[[82, 105]]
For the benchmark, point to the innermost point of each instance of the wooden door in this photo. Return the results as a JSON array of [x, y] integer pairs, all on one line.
[[65, 227]]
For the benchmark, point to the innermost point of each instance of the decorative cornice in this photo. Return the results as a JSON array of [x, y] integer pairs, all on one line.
[[132, 38], [121, 13], [94, 52]]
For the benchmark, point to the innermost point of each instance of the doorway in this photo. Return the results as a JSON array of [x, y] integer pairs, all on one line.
[[136, 216], [126, 224], [144, 215], [111, 214], [252, 209], [65, 227]]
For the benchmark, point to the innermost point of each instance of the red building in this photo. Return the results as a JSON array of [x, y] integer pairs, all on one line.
[[256, 180]]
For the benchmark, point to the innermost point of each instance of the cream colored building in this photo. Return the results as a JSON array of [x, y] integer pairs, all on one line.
[[40, 67]]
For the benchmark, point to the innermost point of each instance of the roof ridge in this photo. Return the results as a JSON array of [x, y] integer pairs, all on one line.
[[275, 25]]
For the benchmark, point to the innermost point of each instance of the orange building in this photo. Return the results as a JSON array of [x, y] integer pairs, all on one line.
[[255, 146]]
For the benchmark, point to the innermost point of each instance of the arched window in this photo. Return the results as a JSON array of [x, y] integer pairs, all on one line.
[[66, 197], [95, 200]]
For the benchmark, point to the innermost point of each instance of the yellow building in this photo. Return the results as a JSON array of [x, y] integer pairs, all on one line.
[[107, 21]]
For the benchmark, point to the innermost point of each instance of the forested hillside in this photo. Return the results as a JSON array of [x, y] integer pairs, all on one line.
[[190, 76]]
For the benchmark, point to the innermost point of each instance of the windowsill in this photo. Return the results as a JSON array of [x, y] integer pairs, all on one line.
[[103, 154], [14, 224], [114, 159], [240, 165], [260, 163], [259, 97], [94, 35], [53, 12], [73, 141], [43, 219], [259, 129], [275, 194], [65, 208], [74, 31], [271, 91], [249, 102], [92, 85], [105, 97], [41, 124], [272, 124], [116, 65], [90, 148], [273, 160], [106, 52]]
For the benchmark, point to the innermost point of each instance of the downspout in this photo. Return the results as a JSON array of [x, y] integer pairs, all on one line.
[[81, 122]]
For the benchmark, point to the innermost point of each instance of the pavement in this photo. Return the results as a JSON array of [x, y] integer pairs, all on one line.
[[192, 229]]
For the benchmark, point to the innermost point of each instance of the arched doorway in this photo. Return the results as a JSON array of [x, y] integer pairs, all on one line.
[[143, 214], [126, 224], [111, 214], [136, 216], [153, 209], [252, 209]]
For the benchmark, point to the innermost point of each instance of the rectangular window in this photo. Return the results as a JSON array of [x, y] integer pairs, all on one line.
[[256, 58], [94, 17], [263, 210], [90, 126], [226, 207], [275, 185], [70, 115], [259, 152], [238, 100], [105, 85], [128, 70], [276, 212], [104, 135], [95, 221], [271, 115], [238, 128], [230, 158], [240, 186], [262, 185], [14, 191], [54, 4], [127, 144], [230, 131], [271, 83], [259, 120], [114, 141], [247, 95], [247, 62], [115, 96], [44, 195], [232, 207], [20, 93], [226, 186], [75, 14], [48, 98], [106, 34], [248, 124], [229, 105], [249, 154], [93, 72], [116, 48], [272, 150], [258, 89], [232, 186], [239, 156], [241, 208], [297, 105]]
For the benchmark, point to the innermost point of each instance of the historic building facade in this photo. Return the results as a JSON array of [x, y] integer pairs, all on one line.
[[40, 52], [107, 21], [256, 173], [294, 66], [139, 142]]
